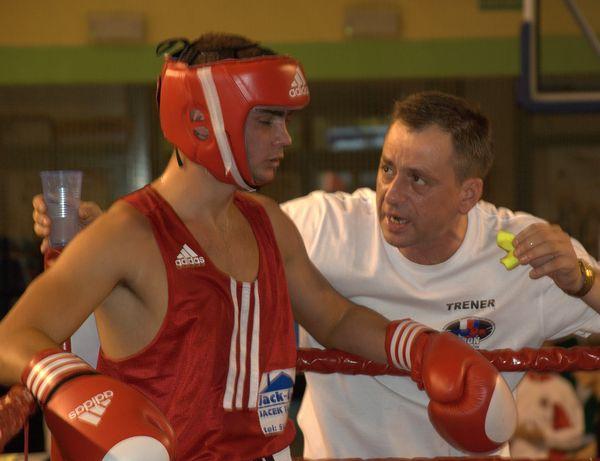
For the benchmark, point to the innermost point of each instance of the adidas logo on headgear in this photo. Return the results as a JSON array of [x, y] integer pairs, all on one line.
[[299, 86], [188, 257]]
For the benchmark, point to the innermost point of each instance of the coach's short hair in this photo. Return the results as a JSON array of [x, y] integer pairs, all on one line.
[[469, 128]]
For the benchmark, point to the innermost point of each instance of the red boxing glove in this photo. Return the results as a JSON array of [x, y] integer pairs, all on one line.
[[15, 408], [95, 417], [471, 406]]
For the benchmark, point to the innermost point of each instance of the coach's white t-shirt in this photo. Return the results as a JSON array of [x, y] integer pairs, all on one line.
[[470, 294]]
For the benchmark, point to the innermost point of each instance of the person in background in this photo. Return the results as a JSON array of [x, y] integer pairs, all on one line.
[[550, 418]]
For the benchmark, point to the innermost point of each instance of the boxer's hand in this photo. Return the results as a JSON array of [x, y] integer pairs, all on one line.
[[471, 406], [15, 408], [88, 211], [95, 417], [549, 251]]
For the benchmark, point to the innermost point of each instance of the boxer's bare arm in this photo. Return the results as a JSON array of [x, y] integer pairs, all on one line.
[[330, 318], [57, 302]]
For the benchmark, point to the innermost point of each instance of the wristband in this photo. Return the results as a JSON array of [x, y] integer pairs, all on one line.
[[399, 339], [48, 369]]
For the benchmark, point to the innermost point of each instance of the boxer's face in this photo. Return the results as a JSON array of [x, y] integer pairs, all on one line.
[[266, 137], [418, 194]]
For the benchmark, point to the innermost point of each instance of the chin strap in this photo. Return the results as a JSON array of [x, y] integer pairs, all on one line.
[[179, 161]]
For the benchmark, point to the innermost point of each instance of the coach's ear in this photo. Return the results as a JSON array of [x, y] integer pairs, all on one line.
[[471, 190]]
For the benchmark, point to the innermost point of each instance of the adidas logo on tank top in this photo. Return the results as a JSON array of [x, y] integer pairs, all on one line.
[[188, 258]]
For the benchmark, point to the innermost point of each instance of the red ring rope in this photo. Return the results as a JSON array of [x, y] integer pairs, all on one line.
[[544, 359]]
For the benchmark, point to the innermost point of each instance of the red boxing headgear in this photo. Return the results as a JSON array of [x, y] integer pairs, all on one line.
[[203, 108]]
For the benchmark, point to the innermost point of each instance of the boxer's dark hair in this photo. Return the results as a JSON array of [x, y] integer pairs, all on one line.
[[211, 47], [470, 129]]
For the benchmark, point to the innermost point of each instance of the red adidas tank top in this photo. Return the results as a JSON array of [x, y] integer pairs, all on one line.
[[222, 364]]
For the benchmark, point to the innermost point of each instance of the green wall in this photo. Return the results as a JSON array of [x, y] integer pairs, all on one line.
[[365, 59]]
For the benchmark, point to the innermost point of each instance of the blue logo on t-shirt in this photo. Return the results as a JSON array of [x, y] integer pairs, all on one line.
[[472, 330]]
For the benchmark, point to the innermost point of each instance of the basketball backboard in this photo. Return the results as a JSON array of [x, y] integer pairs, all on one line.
[[560, 56]]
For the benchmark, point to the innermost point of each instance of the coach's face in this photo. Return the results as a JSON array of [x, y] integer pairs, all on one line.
[[420, 201]]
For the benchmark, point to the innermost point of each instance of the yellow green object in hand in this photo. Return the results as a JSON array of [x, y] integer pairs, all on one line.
[[504, 240]]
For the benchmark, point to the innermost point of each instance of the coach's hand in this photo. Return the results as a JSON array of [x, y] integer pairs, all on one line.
[[549, 251], [88, 211], [471, 406]]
